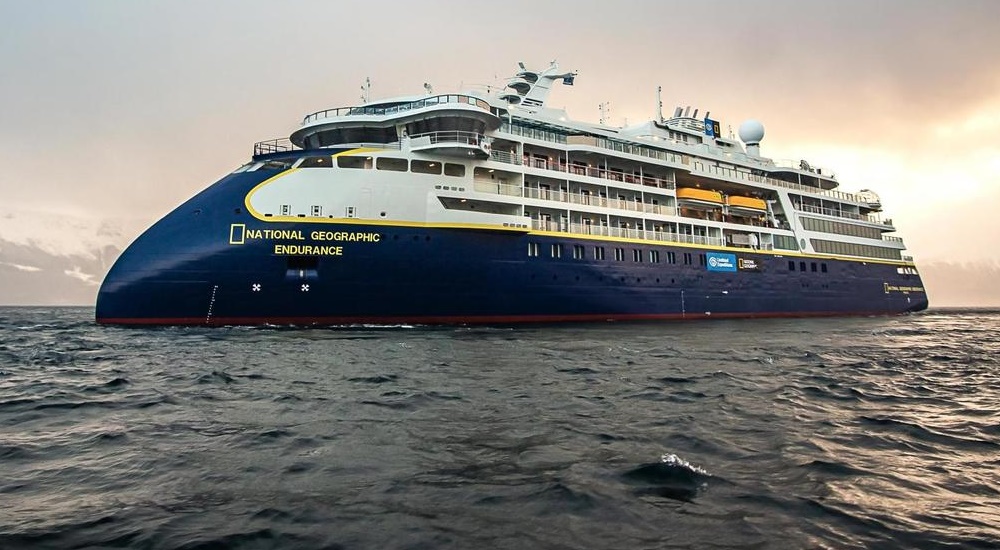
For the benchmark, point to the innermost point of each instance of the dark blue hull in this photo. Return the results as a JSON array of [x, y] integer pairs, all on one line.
[[211, 263]]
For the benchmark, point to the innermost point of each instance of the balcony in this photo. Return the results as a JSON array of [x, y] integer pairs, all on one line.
[[624, 233], [741, 175], [868, 218], [451, 143], [489, 186], [588, 171]]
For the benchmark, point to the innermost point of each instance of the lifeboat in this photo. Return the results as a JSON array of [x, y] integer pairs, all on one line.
[[699, 197], [748, 203]]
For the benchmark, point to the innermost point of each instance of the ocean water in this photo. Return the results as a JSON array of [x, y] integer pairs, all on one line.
[[825, 433]]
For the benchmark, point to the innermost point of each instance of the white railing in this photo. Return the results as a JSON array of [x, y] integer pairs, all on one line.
[[491, 186], [624, 232], [379, 110], [594, 141], [505, 156], [870, 218], [804, 166], [450, 136], [697, 165], [283, 145], [701, 166], [589, 171]]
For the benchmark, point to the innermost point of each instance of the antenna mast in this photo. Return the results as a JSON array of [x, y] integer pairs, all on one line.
[[366, 90], [605, 112], [659, 104]]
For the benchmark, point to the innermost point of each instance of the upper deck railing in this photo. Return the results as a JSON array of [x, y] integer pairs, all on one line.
[[870, 218], [625, 232], [271, 146], [641, 150], [589, 171], [284, 145], [805, 167], [381, 110], [746, 176], [447, 137]]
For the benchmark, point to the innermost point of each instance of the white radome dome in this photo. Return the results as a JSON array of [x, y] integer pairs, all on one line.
[[751, 132]]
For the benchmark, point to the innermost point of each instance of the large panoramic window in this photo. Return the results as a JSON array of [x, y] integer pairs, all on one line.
[[316, 162], [785, 242], [354, 162], [389, 163], [841, 228], [425, 167], [852, 249], [277, 164]]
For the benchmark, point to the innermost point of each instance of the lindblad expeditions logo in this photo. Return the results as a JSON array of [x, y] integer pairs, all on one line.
[[721, 262]]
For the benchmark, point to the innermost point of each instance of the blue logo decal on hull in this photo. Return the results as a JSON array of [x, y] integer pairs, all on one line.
[[721, 262]]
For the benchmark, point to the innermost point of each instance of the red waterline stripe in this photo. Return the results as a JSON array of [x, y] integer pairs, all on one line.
[[478, 320]]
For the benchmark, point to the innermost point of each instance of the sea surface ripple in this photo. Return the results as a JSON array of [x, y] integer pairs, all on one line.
[[832, 433]]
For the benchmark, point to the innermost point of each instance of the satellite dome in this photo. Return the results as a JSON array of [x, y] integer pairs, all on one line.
[[751, 132]]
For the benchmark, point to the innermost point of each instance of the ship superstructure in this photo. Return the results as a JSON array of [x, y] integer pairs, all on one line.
[[476, 207]]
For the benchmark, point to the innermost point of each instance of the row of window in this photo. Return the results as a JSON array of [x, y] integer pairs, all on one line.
[[840, 228], [852, 249], [652, 256], [366, 163], [400, 165], [813, 266]]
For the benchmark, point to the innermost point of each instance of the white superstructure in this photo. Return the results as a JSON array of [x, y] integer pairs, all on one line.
[[509, 161]]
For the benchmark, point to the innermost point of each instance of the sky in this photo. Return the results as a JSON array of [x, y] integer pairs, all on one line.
[[119, 110]]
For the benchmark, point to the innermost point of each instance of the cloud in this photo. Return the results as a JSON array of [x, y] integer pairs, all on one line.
[[19, 267], [78, 274]]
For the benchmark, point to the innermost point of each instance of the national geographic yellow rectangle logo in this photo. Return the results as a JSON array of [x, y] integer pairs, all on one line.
[[237, 233]]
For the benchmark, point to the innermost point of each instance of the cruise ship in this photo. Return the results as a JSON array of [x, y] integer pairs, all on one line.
[[493, 207]]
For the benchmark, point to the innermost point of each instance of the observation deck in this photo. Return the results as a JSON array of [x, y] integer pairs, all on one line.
[[394, 120]]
